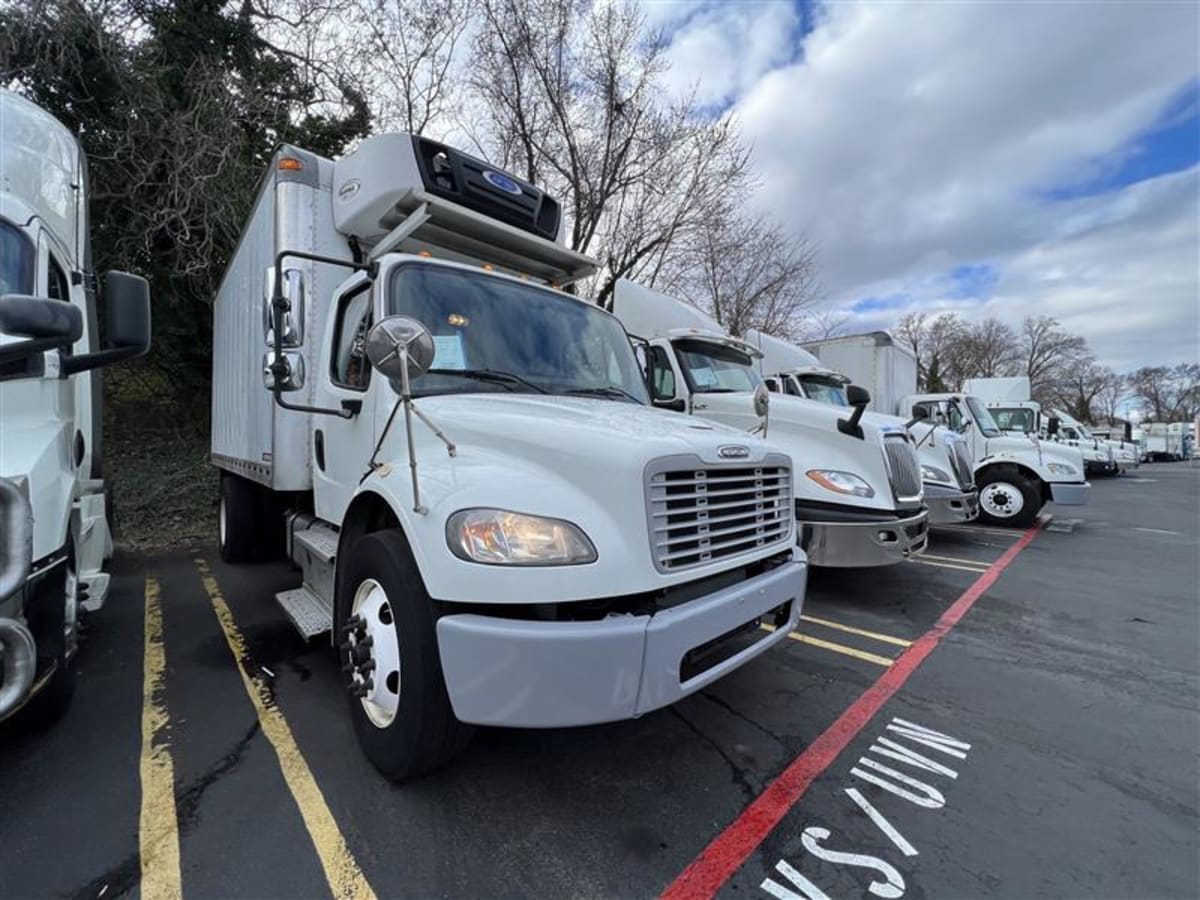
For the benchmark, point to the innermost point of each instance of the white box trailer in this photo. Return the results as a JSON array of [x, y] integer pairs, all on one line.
[[489, 518], [873, 361]]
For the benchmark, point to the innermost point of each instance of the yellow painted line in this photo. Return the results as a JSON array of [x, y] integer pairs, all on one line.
[[874, 635], [955, 559], [345, 878], [158, 824], [941, 565], [836, 648]]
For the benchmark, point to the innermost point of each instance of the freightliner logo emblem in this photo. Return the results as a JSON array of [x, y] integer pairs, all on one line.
[[733, 451]]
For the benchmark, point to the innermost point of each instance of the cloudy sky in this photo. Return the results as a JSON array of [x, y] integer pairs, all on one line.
[[991, 158]]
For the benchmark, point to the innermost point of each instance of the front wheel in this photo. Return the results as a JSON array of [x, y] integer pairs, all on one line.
[[1008, 498], [250, 525], [388, 649]]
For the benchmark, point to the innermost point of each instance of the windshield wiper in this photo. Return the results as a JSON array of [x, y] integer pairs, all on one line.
[[608, 391], [490, 375]]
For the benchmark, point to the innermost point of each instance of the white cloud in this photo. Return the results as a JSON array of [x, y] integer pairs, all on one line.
[[720, 50], [915, 137]]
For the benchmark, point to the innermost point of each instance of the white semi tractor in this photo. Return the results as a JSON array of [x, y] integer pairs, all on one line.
[[1009, 401], [947, 470], [490, 518], [1016, 475], [54, 514], [858, 492]]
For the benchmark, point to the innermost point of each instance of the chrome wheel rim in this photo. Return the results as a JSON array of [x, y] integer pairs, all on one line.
[[1001, 500], [373, 648]]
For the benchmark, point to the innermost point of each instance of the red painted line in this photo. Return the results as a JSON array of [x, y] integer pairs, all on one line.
[[717, 863]]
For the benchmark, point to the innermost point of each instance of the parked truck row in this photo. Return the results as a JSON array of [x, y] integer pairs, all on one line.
[[506, 505]]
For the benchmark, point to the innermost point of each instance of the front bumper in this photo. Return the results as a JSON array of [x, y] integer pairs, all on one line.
[[948, 505], [874, 542], [530, 674], [1069, 494]]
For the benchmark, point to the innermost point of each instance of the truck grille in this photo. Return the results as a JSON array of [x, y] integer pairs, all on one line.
[[960, 458], [903, 468], [706, 513]]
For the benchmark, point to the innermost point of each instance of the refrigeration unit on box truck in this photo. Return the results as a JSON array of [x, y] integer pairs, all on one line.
[[490, 518], [1016, 474], [858, 486], [54, 530], [947, 470]]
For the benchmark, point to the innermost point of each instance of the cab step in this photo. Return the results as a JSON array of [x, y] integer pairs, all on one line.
[[307, 610]]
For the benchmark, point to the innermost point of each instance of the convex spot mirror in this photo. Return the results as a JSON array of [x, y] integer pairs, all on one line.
[[400, 348], [287, 366], [762, 400], [48, 324], [127, 300], [293, 292]]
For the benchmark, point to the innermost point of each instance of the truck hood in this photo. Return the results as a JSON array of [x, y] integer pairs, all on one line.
[[1031, 450]]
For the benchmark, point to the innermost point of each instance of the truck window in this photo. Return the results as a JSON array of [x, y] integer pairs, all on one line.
[[543, 341], [942, 412], [824, 389], [351, 368], [713, 368], [662, 376], [16, 261], [790, 387], [772, 385], [1009, 419], [56, 282]]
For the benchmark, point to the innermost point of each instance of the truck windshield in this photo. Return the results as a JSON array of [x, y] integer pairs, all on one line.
[[714, 368], [824, 389], [491, 334], [16, 261], [983, 419], [1014, 419]]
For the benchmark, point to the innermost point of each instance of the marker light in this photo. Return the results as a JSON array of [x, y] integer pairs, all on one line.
[[290, 164]]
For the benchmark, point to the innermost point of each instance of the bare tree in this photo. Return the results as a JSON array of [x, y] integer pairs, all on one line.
[[749, 273], [1171, 394], [1050, 354], [1079, 389], [988, 350], [1114, 391], [827, 323]]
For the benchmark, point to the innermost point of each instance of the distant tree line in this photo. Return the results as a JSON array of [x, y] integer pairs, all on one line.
[[179, 105], [1061, 368]]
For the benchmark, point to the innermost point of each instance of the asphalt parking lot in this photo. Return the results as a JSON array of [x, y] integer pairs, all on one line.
[[1015, 715]]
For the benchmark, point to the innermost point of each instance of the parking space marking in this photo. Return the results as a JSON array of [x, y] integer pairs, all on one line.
[[850, 629], [158, 822], [836, 648], [346, 879], [727, 852], [957, 559], [980, 569], [979, 529]]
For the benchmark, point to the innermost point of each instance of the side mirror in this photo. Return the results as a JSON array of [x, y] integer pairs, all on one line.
[[858, 397], [762, 400], [293, 316], [919, 414], [288, 366], [400, 348], [676, 405], [49, 324], [127, 298], [1052, 424]]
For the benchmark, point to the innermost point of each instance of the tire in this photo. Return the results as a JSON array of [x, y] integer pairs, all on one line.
[[250, 525], [405, 723], [1008, 498], [48, 620]]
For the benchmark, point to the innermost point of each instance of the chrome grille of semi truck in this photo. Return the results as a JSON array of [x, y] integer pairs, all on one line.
[[960, 458], [903, 467], [704, 513]]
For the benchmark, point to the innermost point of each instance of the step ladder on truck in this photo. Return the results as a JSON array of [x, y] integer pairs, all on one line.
[[858, 490], [947, 469], [54, 510], [1016, 474], [491, 521]]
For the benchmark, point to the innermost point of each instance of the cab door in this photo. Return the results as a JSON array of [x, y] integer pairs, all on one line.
[[342, 447]]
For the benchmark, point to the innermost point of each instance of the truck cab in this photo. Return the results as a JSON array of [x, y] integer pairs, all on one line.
[[947, 471], [53, 506], [859, 499], [1016, 474], [491, 521]]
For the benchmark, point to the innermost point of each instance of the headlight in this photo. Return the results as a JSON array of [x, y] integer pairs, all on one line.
[[933, 473], [504, 538], [1061, 469], [841, 482]]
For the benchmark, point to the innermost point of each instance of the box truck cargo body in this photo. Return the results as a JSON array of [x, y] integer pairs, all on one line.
[[490, 519]]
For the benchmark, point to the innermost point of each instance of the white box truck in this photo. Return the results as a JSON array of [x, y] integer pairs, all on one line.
[[1016, 475], [489, 517], [858, 492], [947, 470], [54, 525]]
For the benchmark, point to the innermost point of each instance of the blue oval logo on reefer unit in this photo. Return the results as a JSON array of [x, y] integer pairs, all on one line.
[[501, 181]]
